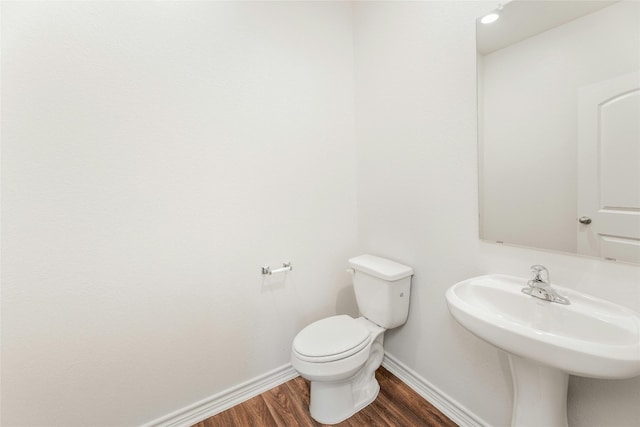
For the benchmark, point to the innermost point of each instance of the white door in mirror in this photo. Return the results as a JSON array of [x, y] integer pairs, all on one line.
[[609, 168]]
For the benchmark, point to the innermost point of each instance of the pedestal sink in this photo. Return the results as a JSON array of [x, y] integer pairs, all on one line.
[[546, 341]]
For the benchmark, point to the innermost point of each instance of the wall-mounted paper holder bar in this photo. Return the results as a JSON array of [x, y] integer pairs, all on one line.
[[286, 266]]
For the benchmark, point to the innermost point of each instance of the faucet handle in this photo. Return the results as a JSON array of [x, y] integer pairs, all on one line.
[[540, 271]]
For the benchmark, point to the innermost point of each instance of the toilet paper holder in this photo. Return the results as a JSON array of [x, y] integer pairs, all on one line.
[[286, 266]]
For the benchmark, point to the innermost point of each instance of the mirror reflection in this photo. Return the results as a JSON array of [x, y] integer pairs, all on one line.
[[559, 127]]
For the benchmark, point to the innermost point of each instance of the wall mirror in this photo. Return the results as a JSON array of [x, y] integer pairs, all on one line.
[[559, 127]]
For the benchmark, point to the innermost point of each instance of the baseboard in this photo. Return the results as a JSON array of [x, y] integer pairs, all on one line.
[[448, 406], [219, 402]]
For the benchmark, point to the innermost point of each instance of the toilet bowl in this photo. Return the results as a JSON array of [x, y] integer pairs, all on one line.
[[340, 354]]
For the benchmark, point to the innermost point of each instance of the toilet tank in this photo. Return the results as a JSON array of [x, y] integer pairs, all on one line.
[[382, 288]]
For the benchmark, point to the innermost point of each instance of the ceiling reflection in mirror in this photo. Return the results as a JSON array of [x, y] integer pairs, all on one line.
[[559, 127]]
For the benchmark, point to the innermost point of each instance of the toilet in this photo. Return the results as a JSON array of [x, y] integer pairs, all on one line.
[[339, 355]]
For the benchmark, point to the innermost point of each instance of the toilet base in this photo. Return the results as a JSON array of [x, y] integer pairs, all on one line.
[[335, 401], [332, 403]]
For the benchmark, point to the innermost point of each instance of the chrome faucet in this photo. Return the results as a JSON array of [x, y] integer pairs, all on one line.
[[540, 286]]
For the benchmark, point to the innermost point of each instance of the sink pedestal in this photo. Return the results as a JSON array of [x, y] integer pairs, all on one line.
[[539, 394]]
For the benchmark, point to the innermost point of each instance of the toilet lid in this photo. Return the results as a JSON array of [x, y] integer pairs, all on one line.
[[338, 336]]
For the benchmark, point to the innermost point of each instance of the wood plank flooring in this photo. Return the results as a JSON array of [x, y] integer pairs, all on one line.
[[288, 405]]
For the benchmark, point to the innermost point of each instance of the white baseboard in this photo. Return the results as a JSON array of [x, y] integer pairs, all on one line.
[[445, 404], [219, 402]]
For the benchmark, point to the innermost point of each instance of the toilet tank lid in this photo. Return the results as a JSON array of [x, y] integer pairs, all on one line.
[[380, 267]]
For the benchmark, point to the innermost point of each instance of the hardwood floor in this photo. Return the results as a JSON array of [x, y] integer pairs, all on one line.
[[288, 405]]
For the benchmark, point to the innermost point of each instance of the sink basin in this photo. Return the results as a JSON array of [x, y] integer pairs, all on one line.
[[590, 337], [547, 341]]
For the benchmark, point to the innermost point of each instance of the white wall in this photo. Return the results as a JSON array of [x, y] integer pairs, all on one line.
[[417, 198], [155, 155], [531, 123]]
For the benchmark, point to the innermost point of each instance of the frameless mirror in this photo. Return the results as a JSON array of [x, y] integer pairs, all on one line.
[[559, 127]]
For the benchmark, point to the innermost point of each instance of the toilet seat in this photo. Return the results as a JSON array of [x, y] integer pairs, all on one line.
[[331, 339]]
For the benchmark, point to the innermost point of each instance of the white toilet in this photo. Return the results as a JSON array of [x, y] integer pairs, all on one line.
[[340, 354]]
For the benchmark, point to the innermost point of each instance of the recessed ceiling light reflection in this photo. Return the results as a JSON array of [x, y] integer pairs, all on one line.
[[491, 17]]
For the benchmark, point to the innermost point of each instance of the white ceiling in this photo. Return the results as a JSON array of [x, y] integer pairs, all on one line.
[[521, 19]]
